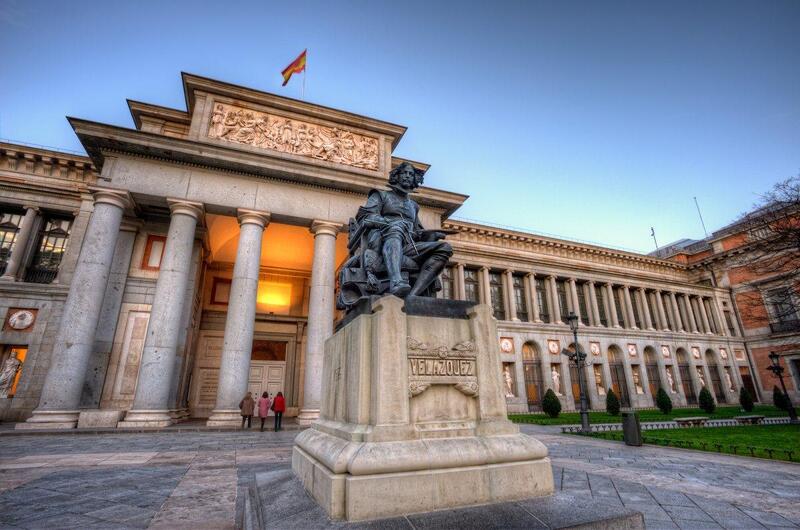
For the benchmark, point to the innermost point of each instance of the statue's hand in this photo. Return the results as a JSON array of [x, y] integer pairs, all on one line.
[[375, 222]]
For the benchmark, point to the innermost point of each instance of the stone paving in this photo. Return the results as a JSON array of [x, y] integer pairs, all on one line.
[[199, 480]]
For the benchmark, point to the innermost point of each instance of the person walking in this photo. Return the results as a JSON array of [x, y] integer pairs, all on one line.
[[278, 407], [263, 408], [247, 405]]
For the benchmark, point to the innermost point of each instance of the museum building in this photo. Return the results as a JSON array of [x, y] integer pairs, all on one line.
[[127, 275]]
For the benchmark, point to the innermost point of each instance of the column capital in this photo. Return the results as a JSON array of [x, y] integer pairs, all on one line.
[[190, 208], [30, 207], [483, 268], [531, 275], [254, 217], [119, 198], [325, 227]]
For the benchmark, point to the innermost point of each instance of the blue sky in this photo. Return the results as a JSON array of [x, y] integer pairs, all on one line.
[[589, 120]]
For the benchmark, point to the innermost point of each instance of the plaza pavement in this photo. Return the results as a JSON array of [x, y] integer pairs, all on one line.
[[200, 479]]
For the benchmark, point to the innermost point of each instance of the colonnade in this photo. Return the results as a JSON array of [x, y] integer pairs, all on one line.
[[607, 304], [59, 404]]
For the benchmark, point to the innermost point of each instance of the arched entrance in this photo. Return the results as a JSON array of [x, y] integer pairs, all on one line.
[[716, 380], [574, 379], [618, 382], [532, 368], [686, 378], [653, 373]]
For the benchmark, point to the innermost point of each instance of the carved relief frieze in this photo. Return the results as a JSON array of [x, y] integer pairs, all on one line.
[[286, 135]]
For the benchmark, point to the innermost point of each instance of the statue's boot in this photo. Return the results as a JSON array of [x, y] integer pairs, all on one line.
[[399, 288], [425, 278]]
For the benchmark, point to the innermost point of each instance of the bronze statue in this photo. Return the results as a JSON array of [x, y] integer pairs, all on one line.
[[390, 251]]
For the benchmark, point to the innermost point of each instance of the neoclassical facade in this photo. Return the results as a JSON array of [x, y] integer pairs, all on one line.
[[193, 258]]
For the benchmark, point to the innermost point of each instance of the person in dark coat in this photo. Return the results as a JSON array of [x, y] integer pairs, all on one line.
[[278, 407], [247, 405]]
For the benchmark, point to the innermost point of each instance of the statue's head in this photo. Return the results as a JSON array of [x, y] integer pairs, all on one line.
[[406, 177]]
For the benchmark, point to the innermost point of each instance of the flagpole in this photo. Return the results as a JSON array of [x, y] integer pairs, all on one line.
[[303, 90]]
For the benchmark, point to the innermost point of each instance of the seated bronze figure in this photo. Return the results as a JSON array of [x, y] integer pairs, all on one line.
[[390, 251]]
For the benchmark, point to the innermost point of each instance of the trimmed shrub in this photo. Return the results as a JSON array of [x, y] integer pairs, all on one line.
[[779, 398], [745, 400], [707, 401], [550, 404], [612, 403], [663, 401]]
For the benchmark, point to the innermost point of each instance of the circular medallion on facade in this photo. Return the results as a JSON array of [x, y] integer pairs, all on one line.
[[632, 350], [21, 319], [552, 346], [506, 345], [723, 353], [594, 347], [665, 352]]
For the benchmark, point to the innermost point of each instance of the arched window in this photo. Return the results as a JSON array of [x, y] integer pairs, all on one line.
[[653, 374], [686, 379], [618, 382], [532, 369]]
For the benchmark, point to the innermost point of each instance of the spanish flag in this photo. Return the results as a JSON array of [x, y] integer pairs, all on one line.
[[297, 66]]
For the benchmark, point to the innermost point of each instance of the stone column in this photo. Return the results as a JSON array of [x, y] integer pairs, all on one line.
[[662, 314], [593, 301], [151, 402], [555, 303], [676, 312], [704, 315], [485, 291], [511, 300], [573, 293], [461, 290], [20, 244], [626, 291], [690, 313], [320, 315], [234, 368], [61, 392], [648, 319], [529, 284], [612, 307], [722, 328]]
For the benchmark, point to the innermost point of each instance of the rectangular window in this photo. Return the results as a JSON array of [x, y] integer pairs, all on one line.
[[496, 291], [601, 305], [561, 290], [10, 223], [541, 301], [220, 291], [583, 309], [50, 248], [448, 288], [729, 323], [153, 252], [618, 306], [782, 305], [471, 285], [519, 298]]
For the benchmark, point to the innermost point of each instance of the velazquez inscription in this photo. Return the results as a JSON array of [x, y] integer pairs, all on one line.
[[445, 367]]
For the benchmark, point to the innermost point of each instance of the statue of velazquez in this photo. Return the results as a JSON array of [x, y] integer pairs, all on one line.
[[390, 251]]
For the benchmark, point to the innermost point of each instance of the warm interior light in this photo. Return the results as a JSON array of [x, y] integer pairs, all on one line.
[[274, 296]]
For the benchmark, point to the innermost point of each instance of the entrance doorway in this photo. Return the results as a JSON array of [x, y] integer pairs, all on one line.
[[267, 367], [532, 368], [686, 378], [747, 381], [618, 382], [653, 374]]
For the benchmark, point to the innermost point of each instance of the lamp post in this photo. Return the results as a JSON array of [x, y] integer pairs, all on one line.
[[777, 371], [580, 360]]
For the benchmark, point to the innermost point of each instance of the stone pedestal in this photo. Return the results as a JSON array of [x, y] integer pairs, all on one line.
[[413, 417], [107, 419]]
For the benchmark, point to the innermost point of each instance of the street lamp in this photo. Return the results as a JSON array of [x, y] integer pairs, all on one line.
[[580, 361], [777, 371]]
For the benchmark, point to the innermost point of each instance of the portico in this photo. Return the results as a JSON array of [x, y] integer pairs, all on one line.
[[241, 204]]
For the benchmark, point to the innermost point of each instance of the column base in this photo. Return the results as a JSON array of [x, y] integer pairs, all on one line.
[[7, 279], [225, 418], [50, 419], [136, 419], [178, 415], [307, 416]]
